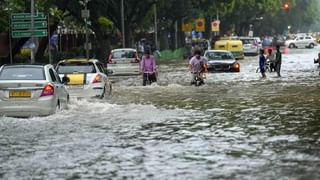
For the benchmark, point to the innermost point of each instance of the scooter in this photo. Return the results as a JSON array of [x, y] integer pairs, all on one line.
[[198, 79]]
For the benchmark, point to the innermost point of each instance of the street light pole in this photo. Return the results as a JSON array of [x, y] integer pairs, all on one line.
[[32, 33], [122, 25], [155, 26], [86, 26]]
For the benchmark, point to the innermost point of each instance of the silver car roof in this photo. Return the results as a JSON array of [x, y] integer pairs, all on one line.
[[124, 49]]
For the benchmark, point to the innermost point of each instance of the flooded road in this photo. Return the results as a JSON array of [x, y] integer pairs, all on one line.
[[237, 126]]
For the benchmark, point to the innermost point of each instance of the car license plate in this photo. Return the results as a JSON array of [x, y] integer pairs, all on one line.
[[20, 94], [74, 87]]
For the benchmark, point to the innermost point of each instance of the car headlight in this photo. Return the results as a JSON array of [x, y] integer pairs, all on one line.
[[236, 65]]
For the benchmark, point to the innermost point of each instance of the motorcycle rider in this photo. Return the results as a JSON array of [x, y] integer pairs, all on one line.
[[148, 68], [197, 66]]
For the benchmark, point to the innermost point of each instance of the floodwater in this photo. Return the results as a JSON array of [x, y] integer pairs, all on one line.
[[236, 126]]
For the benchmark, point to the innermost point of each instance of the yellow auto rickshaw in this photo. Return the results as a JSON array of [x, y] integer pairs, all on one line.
[[234, 46]]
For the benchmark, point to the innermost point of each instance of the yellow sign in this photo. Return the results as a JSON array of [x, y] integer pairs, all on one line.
[[187, 27], [76, 79], [19, 94], [200, 25], [215, 26]]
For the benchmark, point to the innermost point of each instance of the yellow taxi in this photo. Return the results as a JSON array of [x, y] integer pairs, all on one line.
[[232, 45], [87, 78]]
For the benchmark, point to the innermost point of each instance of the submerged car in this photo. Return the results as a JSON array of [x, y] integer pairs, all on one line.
[[219, 60], [123, 62], [87, 78], [31, 90], [250, 46]]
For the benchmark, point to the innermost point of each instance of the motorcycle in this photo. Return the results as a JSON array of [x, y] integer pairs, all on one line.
[[198, 78]]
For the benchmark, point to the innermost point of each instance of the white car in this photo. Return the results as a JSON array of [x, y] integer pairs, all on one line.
[[250, 46], [123, 62], [87, 78], [301, 42], [258, 41], [31, 90]]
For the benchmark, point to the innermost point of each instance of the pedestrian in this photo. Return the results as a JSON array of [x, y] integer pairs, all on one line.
[[148, 68], [278, 61], [317, 61], [197, 66], [262, 61]]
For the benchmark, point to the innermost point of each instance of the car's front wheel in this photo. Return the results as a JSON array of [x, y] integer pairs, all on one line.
[[292, 45], [311, 45]]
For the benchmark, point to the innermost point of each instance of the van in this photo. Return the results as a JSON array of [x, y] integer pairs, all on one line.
[[234, 46]]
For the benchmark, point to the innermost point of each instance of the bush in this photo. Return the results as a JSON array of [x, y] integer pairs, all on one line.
[[23, 57], [177, 54]]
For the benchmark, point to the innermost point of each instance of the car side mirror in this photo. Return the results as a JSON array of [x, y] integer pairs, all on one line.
[[65, 79]]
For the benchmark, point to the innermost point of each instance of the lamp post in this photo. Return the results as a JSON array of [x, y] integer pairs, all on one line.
[[155, 25], [10, 43], [122, 25], [59, 31], [86, 14], [32, 33]]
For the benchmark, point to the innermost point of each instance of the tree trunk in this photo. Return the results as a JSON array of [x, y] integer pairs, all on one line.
[[103, 47], [164, 40], [129, 38]]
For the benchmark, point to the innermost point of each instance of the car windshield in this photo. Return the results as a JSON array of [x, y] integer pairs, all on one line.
[[247, 41], [123, 54], [76, 67], [219, 55], [22, 73]]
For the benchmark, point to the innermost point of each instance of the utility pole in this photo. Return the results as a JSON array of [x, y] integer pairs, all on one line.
[[32, 33], [10, 38], [122, 25], [176, 34], [86, 26], [155, 26], [85, 14]]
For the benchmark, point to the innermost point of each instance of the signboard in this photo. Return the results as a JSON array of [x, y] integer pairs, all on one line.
[[85, 13], [250, 34], [187, 27], [215, 26], [200, 25], [28, 33], [21, 25], [27, 24], [27, 16]]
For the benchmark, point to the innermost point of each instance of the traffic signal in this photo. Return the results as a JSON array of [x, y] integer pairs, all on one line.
[[286, 6]]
